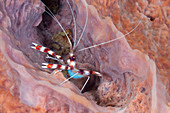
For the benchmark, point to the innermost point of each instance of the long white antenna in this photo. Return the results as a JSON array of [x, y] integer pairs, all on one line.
[[83, 28], [85, 84], [74, 20], [110, 40], [53, 16], [68, 78]]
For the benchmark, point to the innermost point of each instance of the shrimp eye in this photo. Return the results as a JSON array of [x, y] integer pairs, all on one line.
[[74, 58]]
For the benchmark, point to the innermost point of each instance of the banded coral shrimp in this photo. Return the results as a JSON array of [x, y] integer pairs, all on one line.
[[73, 72]]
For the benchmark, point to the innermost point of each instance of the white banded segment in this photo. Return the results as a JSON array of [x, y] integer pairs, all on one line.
[[97, 73], [71, 63], [86, 72]]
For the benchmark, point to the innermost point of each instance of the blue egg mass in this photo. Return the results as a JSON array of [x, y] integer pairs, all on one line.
[[72, 74]]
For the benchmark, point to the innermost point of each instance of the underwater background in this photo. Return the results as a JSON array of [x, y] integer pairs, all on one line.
[[135, 69]]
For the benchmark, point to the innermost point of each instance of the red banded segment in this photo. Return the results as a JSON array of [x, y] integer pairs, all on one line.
[[66, 68], [91, 72], [81, 71], [71, 67], [46, 50], [53, 54], [38, 47], [59, 66], [49, 65]]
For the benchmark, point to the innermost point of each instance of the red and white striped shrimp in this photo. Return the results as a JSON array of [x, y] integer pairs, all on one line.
[[71, 61], [71, 67], [73, 72]]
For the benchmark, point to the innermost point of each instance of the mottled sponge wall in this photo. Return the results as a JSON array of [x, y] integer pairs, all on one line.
[[135, 68], [151, 38]]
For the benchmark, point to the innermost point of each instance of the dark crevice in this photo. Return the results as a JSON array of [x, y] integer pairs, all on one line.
[[53, 5], [151, 18]]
